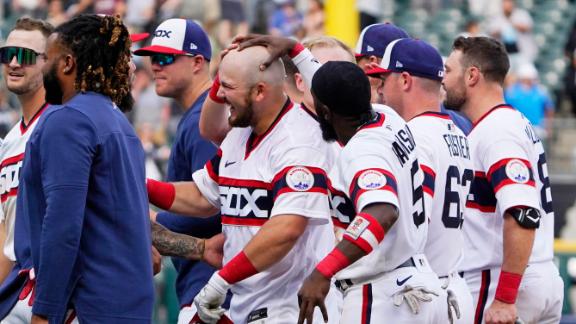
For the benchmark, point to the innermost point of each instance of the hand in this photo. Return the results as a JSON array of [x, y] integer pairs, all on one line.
[[413, 296], [452, 304], [213, 250], [312, 294], [210, 299], [38, 319], [501, 313], [156, 261], [276, 46]]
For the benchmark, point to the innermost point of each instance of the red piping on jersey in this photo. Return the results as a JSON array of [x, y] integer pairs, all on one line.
[[310, 112], [436, 114], [24, 127], [12, 160], [378, 122], [489, 112], [254, 139]]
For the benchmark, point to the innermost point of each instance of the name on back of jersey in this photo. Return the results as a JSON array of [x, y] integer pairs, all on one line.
[[457, 146], [403, 145]]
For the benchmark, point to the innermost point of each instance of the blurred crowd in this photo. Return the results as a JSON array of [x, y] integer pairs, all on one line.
[[155, 118]]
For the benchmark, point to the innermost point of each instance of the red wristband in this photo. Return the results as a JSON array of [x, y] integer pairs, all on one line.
[[213, 94], [296, 50], [507, 289], [161, 194], [332, 263], [238, 269]]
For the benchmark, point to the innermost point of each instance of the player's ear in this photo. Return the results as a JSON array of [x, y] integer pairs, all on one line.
[[259, 90], [406, 81], [299, 82], [69, 64], [472, 76]]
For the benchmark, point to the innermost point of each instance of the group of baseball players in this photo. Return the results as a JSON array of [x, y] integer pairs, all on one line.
[[328, 185]]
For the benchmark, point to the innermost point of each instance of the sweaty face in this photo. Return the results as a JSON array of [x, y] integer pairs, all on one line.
[[25, 79], [54, 92], [453, 82], [328, 130]]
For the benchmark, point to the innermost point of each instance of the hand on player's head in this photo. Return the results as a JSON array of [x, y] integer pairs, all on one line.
[[276, 46]]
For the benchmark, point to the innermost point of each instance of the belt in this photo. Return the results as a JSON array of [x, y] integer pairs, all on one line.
[[461, 274], [344, 284]]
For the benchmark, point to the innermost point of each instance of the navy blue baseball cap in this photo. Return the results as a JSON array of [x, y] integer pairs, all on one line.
[[413, 56], [374, 39], [178, 36]]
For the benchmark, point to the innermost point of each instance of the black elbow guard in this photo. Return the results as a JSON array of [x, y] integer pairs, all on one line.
[[526, 217]]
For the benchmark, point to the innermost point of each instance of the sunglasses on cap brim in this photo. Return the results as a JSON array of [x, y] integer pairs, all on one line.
[[24, 56]]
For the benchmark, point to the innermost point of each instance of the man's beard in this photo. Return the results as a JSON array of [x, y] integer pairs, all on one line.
[[244, 118], [328, 131], [54, 91], [455, 101]]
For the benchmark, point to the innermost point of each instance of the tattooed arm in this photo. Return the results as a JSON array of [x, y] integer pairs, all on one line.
[[184, 246]]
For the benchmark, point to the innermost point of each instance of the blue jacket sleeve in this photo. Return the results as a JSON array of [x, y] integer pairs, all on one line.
[[67, 148]]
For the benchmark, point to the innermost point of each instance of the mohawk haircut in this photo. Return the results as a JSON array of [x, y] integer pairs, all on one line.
[[101, 46]]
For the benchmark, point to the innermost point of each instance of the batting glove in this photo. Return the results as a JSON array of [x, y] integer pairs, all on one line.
[[452, 304], [413, 296], [210, 299]]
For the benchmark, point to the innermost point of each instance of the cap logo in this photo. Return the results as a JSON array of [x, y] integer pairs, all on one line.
[[441, 74], [193, 46], [399, 64], [162, 33], [369, 48]]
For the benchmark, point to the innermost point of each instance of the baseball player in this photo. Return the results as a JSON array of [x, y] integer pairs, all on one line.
[[509, 226], [22, 57], [378, 157], [412, 72], [180, 55], [269, 182], [80, 191]]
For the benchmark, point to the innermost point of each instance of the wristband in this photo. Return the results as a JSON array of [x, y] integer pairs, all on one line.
[[332, 263], [507, 289], [161, 194], [365, 232], [238, 269], [213, 94], [296, 50]]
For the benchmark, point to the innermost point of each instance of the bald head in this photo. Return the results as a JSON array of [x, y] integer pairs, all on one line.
[[245, 65]]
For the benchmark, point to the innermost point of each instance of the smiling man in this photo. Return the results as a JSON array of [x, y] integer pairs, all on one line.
[[180, 54], [22, 58]]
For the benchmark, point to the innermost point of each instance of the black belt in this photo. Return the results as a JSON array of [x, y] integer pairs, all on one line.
[[347, 283], [461, 274]]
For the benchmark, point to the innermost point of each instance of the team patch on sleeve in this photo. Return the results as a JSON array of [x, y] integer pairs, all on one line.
[[429, 180], [509, 172], [213, 166], [299, 179], [370, 180]]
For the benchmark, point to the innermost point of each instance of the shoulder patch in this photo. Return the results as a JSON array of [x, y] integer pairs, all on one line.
[[517, 171], [300, 178], [371, 180]]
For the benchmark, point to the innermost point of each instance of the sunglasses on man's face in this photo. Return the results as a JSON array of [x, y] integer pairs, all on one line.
[[166, 59], [24, 56]]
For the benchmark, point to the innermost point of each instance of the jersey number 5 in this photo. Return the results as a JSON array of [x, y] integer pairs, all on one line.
[[417, 197]]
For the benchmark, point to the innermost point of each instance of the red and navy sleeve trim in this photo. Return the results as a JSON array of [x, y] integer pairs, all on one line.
[[357, 189], [282, 182], [510, 172], [378, 121], [482, 195], [213, 166], [429, 180]]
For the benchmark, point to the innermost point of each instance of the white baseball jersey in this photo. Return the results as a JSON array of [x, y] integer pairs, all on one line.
[[379, 165], [444, 156], [510, 170], [255, 178], [12, 155]]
